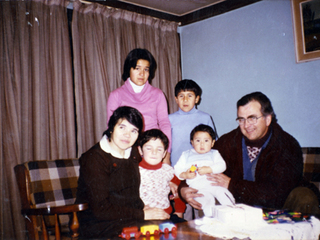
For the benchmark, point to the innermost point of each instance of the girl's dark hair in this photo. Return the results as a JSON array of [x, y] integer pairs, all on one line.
[[203, 128], [132, 115], [154, 134], [266, 106], [132, 59], [188, 85]]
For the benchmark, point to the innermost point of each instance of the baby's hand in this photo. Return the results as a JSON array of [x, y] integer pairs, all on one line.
[[190, 174], [193, 168], [204, 170]]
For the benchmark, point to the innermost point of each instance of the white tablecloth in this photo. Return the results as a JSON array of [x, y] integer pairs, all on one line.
[[307, 230]]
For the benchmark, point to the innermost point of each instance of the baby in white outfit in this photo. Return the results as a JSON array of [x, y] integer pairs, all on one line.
[[194, 164]]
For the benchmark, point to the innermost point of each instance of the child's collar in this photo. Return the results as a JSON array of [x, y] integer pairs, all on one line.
[[193, 110], [146, 165]]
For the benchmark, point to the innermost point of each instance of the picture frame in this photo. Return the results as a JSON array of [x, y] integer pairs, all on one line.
[[306, 26]]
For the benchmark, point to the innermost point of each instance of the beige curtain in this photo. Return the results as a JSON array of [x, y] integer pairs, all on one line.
[[102, 38], [37, 107]]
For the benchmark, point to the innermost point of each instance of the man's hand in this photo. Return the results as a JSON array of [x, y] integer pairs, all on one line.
[[219, 179], [189, 194]]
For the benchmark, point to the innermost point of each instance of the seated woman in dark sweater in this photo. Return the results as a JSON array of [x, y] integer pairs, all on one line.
[[109, 179]]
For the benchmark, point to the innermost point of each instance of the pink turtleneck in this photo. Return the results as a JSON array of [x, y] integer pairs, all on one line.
[[150, 102]]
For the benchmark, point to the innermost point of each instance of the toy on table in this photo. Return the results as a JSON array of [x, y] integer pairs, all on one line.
[[283, 216], [130, 232], [148, 230], [167, 227], [193, 168]]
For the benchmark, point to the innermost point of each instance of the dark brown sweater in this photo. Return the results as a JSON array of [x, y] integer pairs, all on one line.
[[111, 187], [278, 171]]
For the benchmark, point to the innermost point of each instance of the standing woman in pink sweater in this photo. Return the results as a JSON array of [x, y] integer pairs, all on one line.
[[138, 71]]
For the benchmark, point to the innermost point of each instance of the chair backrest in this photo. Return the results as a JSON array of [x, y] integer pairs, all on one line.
[[311, 160], [47, 183], [53, 183]]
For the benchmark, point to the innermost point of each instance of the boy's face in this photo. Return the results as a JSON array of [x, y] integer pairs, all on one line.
[[202, 142], [153, 151], [186, 100]]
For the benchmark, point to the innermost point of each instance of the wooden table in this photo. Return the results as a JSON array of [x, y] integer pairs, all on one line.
[[187, 231]]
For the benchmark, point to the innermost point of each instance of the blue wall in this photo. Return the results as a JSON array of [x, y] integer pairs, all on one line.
[[252, 49]]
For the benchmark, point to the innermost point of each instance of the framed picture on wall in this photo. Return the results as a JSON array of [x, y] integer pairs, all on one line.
[[306, 24]]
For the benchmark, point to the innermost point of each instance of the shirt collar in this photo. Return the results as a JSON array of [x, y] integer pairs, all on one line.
[[260, 142], [193, 110], [105, 146], [146, 165], [136, 88]]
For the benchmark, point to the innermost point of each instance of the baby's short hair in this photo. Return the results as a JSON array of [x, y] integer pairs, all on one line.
[[154, 134], [187, 85], [203, 128]]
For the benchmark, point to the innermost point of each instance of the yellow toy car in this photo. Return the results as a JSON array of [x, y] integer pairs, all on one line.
[[148, 230]]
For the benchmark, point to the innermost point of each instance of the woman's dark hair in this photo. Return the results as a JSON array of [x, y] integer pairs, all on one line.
[[132, 59], [266, 106], [203, 128], [132, 115], [154, 134], [188, 85]]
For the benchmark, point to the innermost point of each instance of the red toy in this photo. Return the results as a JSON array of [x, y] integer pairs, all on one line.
[[148, 230], [130, 232]]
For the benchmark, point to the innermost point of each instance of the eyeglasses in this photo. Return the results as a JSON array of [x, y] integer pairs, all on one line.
[[250, 120]]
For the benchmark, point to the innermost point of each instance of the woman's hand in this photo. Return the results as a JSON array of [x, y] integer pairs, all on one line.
[[219, 179], [189, 194], [155, 213]]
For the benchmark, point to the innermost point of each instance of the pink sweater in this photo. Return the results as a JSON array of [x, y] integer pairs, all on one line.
[[150, 102]]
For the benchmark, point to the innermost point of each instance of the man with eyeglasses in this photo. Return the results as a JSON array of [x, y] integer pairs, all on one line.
[[264, 163]]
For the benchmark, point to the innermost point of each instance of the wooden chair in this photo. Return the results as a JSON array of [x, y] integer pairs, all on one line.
[[311, 164], [48, 188]]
